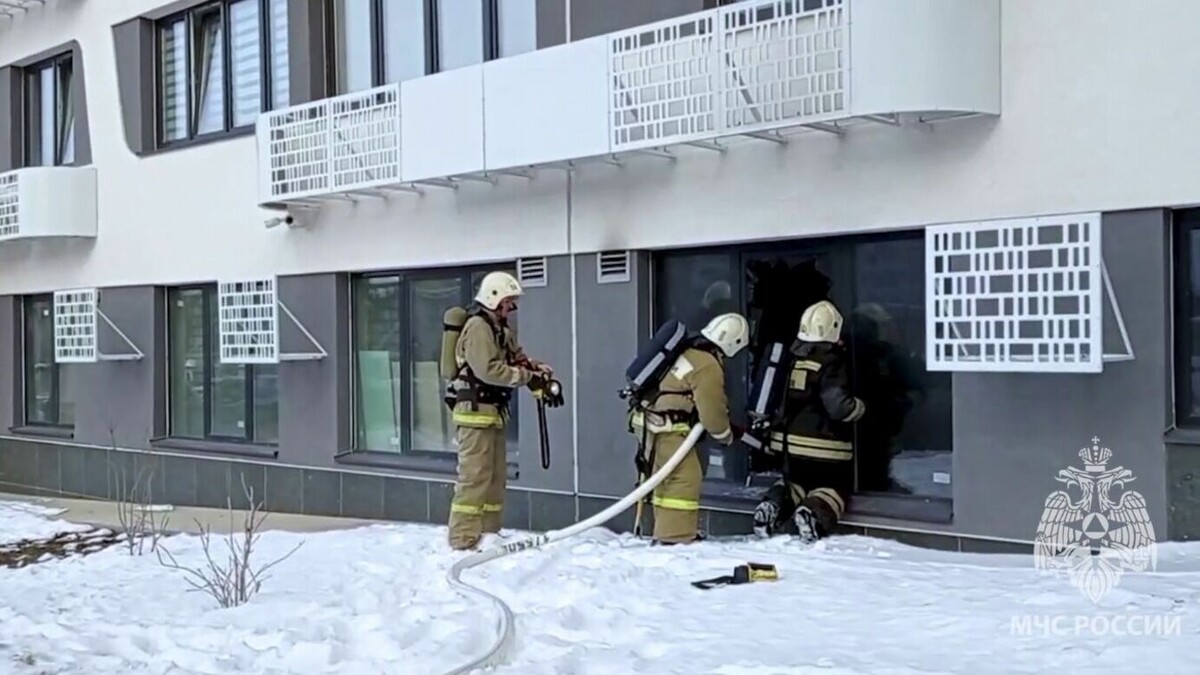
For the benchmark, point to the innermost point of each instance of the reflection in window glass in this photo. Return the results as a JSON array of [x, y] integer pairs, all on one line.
[[174, 81], [49, 387], [376, 363], [517, 26], [432, 427], [64, 123], [245, 55], [907, 443], [404, 46], [460, 33], [355, 67], [281, 89], [210, 74], [186, 324], [46, 116]]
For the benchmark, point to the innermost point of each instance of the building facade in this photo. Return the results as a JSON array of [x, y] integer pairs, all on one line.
[[229, 230]]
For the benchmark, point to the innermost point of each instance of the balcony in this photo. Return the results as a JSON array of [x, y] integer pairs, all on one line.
[[41, 202], [764, 70]]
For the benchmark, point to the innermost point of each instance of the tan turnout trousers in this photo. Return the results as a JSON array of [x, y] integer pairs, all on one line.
[[478, 504], [677, 499]]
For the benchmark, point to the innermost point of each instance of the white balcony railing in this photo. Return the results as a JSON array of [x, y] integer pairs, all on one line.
[[48, 202], [751, 68]]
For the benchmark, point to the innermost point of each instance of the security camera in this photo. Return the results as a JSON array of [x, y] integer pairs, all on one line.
[[286, 219]]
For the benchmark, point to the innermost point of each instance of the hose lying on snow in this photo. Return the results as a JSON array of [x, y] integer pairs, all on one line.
[[505, 625]]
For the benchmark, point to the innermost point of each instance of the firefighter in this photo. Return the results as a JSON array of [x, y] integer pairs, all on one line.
[[814, 440], [491, 365], [693, 390]]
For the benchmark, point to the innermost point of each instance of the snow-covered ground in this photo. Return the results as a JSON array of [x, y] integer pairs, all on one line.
[[375, 600]]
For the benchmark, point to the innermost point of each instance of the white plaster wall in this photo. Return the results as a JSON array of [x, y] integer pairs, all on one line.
[[1097, 114]]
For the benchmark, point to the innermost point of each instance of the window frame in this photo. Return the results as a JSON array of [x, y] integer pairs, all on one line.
[[55, 369], [840, 250], [266, 64], [406, 453], [1184, 223], [490, 38], [28, 129], [249, 374]]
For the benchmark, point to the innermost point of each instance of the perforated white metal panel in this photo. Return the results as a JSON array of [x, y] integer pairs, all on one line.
[[295, 150], [782, 61], [1015, 295], [248, 324], [9, 203], [365, 138], [532, 271], [663, 80], [75, 326], [613, 267]]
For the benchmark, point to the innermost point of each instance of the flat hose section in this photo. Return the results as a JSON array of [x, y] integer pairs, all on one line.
[[497, 652]]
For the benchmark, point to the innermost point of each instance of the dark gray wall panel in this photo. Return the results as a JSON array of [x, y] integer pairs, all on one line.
[[610, 327], [551, 23], [595, 17], [123, 395], [10, 119], [314, 395], [544, 329], [134, 45], [10, 363], [1013, 432], [83, 133]]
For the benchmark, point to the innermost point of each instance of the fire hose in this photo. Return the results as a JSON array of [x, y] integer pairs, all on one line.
[[504, 626]]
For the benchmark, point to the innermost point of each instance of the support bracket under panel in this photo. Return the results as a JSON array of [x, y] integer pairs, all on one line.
[[1019, 295], [248, 324]]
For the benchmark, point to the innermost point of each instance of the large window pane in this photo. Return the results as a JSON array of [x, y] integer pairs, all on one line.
[[404, 39], [208, 55], [65, 122], [41, 404], [281, 96], [174, 81], [904, 446], [246, 59], [432, 427], [377, 363], [355, 65], [186, 371], [266, 403], [460, 33], [48, 103], [228, 387], [517, 26]]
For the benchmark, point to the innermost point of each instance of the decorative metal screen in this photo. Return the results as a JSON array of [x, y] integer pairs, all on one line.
[[365, 143], [664, 83], [248, 324], [9, 225], [782, 60], [1015, 295], [297, 150], [75, 326]]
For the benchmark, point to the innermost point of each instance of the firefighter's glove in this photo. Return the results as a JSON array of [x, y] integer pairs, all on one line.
[[547, 390]]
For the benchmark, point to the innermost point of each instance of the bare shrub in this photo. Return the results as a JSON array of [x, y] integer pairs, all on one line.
[[236, 580], [141, 521]]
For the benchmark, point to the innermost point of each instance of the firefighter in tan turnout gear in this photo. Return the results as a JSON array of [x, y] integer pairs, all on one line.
[[813, 439], [692, 390], [488, 366]]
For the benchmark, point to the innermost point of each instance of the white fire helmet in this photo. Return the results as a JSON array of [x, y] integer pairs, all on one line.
[[729, 332], [497, 286], [821, 322]]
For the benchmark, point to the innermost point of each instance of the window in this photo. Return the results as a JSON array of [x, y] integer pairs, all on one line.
[[397, 342], [50, 113], [49, 386], [210, 400], [1187, 316], [878, 285], [220, 65], [388, 41]]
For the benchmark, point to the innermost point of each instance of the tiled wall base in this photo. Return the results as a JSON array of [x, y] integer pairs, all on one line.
[[56, 470]]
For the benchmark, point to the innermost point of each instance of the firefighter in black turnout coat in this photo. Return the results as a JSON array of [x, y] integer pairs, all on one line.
[[812, 441]]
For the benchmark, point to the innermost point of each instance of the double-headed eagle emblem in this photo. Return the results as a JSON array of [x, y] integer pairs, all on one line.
[[1099, 535]]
